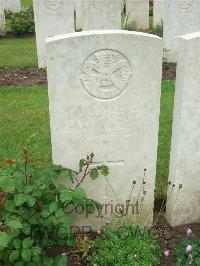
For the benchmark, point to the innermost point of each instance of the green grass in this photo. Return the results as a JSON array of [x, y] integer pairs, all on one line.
[[18, 52], [26, 3], [24, 112]]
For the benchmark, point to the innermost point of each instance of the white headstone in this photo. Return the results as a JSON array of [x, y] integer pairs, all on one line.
[[159, 11], [104, 97], [2, 17], [78, 12], [12, 5], [101, 14], [182, 17], [51, 18], [183, 204], [138, 12]]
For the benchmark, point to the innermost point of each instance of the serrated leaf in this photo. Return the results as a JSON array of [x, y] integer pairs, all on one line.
[[47, 261], [79, 193], [14, 255], [14, 224], [94, 173], [52, 207], [26, 254], [19, 199], [30, 200], [60, 213], [16, 243], [65, 197], [66, 221], [27, 243], [36, 251], [26, 229], [104, 170], [7, 183], [4, 239], [61, 261]]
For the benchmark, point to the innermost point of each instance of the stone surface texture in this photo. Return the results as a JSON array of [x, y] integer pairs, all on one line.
[[182, 17], [104, 97], [12, 5], [2, 16], [101, 14], [159, 11], [183, 204], [138, 12], [52, 17]]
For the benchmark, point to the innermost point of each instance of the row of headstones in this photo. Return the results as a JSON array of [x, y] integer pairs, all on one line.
[[104, 97], [12, 5], [60, 17], [179, 17]]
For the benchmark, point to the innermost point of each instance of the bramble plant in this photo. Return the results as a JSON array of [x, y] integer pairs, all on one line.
[[33, 209], [188, 252]]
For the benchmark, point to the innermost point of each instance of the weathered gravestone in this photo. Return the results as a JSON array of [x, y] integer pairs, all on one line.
[[159, 10], [52, 17], [101, 14], [183, 203], [2, 17], [138, 12], [182, 17], [104, 97], [12, 5]]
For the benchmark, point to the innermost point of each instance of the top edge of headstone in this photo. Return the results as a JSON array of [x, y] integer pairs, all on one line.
[[99, 32], [190, 36]]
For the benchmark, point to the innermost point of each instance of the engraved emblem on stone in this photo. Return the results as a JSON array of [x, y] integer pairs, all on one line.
[[105, 74], [54, 5]]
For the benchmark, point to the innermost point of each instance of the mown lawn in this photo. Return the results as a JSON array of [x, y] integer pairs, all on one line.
[[26, 3], [18, 52], [24, 113]]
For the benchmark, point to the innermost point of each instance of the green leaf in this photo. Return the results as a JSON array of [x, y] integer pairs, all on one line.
[[52, 207], [47, 261], [79, 193], [19, 199], [14, 224], [28, 189], [26, 254], [7, 183], [104, 170], [30, 201], [45, 214], [27, 243], [16, 243], [36, 251], [14, 255], [4, 239], [65, 197], [61, 261], [60, 213], [65, 220], [94, 173]]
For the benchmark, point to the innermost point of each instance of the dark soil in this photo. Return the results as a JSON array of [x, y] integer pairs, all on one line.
[[22, 77], [35, 76]]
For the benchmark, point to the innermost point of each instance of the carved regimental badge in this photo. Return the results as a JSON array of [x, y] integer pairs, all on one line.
[[53, 5], [105, 74]]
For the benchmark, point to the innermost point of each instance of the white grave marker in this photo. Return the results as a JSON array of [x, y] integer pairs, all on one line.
[[159, 10], [182, 17], [52, 17], [183, 203], [138, 12], [104, 97], [101, 14]]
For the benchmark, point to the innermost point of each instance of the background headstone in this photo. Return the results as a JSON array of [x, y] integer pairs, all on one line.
[[138, 12], [104, 97], [101, 14], [2, 16], [159, 11], [183, 204], [182, 17], [12, 5], [51, 18]]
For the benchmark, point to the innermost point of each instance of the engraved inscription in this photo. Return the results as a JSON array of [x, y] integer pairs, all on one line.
[[105, 74], [54, 5]]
